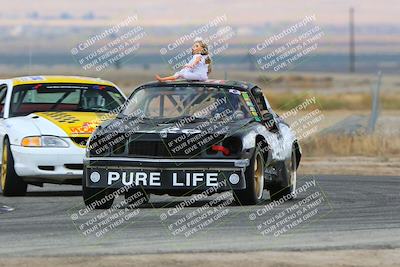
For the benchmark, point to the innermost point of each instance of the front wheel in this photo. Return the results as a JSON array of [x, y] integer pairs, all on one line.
[[254, 181], [11, 183], [97, 198]]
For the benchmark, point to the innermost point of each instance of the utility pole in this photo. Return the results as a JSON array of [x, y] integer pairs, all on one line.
[[375, 104], [352, 57]]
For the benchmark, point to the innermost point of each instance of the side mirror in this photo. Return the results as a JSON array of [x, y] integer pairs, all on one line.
[[268, 116], [268, 119]]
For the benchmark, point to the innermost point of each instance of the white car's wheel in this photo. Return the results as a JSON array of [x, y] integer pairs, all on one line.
[[11, 183]]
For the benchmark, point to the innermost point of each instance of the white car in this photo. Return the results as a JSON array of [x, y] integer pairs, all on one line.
[[45, 122]]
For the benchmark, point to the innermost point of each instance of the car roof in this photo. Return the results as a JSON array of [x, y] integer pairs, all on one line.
[[227, 83], [58, 79]]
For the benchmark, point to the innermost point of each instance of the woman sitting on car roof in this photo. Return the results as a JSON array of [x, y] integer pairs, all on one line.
[[198, 67]]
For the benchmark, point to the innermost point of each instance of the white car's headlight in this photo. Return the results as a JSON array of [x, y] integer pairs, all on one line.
[[53, 141], [43, 141]]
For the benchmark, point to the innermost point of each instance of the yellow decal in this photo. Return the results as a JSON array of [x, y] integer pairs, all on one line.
[[86, 128], [76, 124]]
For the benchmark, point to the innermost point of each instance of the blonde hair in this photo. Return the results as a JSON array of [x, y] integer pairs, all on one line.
[[204, 52]]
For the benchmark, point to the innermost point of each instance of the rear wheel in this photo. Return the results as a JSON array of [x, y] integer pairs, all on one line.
[[290, 172], [11, 183], [254, 181], [97, 198]]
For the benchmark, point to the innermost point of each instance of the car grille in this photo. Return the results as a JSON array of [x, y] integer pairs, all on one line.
[[160, 148], [150, 145], [157, 149]]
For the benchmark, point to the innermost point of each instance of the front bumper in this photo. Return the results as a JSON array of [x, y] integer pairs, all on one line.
[[165, 174], [48, 164]]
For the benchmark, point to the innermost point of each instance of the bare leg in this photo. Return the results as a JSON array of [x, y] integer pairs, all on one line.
[[164, 79]]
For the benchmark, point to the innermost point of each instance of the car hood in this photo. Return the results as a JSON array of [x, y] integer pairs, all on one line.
[[154, 127], [67, 124], [153, 138]]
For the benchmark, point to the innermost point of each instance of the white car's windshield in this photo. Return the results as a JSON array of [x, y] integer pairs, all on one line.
[[31, 98], [177, 102]]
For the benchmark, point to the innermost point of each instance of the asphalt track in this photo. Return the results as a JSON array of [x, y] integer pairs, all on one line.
[[355, 212]]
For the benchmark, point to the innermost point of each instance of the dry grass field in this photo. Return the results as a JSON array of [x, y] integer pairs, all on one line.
[[352, 145]]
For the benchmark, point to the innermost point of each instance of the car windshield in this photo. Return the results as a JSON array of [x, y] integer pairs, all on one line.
[[31, 98], [169, 103]]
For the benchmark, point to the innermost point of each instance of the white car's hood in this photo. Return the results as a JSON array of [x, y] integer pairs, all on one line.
[[62, 124], [45, 127]]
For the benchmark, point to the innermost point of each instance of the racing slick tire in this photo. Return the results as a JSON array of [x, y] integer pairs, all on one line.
[[254, 181], [11, 183], [97, 198], [289, 172]]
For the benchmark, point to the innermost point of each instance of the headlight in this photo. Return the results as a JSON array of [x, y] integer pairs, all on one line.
[[31, 141], [43, 141], [53, 141]]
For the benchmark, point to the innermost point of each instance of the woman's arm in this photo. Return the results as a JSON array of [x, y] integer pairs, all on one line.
[[195, 62]]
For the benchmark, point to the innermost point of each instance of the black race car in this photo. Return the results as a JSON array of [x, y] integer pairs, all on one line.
[[185, 137]]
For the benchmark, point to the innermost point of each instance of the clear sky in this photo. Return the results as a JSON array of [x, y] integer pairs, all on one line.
[[181, 12]]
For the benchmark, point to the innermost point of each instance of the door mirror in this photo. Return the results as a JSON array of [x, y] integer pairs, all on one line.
[[268, 116], [269, 120]]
